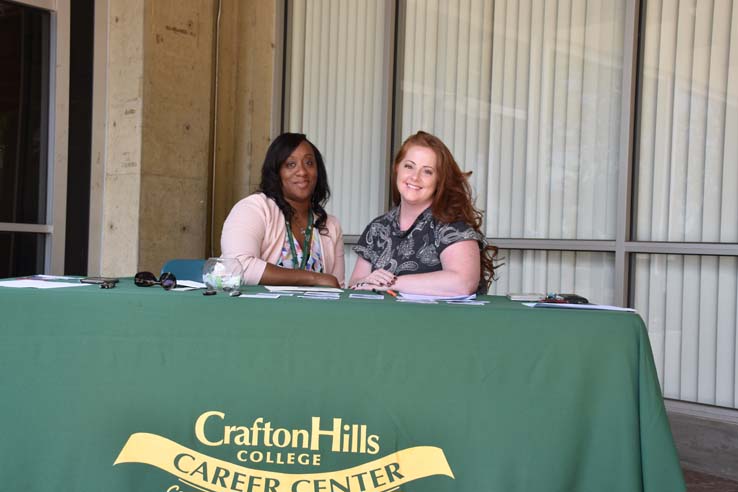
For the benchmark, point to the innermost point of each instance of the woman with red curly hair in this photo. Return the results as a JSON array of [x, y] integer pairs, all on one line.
[[430, 242]]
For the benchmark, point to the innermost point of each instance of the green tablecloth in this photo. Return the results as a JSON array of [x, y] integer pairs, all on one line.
[[494, 398]]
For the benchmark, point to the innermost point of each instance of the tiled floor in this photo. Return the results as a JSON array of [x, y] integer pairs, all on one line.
[[700, 482]]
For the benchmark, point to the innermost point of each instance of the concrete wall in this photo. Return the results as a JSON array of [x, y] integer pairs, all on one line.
[[164, 190], [123, 142], [177, 114], [247, 54]]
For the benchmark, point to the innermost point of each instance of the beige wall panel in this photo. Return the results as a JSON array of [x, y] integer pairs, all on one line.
[[120, 228], [160, 110], [245, 89], [119, 244], [178, 69], [176, 136], [224, 195], [256, 76], [169, 228], [124, 137]]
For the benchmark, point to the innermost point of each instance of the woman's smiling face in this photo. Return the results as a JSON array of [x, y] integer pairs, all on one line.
[[299, 174], [417, 176]]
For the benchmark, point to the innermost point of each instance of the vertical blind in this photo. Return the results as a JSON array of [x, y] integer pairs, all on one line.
[[337, 94], [556, 96], [688, 177], [690, 305], [445, 78], [590, 274], [527, 96], [687, 185]]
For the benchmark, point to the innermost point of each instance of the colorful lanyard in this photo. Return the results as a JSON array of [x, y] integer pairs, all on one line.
[[305, 245]]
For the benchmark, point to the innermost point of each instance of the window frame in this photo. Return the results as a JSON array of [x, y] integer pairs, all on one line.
[[57, 105]]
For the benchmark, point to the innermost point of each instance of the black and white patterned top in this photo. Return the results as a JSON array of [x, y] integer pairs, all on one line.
[[416, 250]]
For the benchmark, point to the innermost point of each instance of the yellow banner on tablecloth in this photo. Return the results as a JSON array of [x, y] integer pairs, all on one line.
[[216, 475]]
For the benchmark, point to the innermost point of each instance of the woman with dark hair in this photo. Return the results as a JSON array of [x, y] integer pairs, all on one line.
[[282, 235], [431, 242]]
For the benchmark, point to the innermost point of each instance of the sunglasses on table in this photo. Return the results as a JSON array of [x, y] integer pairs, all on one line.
[[147, 279]]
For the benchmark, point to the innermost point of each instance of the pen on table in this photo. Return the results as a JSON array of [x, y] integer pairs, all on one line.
[[391, 292]]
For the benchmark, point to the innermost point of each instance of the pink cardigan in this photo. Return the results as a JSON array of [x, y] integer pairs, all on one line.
[[254, 233]]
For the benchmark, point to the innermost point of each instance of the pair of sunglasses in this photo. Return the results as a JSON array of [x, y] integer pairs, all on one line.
[[147, 279]]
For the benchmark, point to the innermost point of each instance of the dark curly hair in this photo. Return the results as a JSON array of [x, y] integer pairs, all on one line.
[[452, 201], [271, 183]]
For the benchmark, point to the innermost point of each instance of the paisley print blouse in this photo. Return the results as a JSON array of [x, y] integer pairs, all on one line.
[[416, 250]]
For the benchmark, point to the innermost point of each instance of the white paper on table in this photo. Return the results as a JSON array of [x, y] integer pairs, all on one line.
[[53, 277], [261, 295], [468, 303], [420, 297], [322, 294], [190, 283], [418, 301], [532, 297], [591, 307], [39, 284], [366, 296], [295, 288]]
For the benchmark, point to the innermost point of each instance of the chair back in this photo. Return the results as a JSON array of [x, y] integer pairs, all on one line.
[[185, 269]]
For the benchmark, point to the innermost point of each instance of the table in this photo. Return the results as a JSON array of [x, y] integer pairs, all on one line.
[[185, 392]]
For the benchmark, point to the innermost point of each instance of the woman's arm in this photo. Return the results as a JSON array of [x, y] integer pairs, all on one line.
[[274, 275], [361, 270], [459, 276], [243, 233]]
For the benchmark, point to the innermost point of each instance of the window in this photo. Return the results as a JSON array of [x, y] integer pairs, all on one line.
[[337, 68], [687, 197], [31, 128], [24, 62], [600, 135]]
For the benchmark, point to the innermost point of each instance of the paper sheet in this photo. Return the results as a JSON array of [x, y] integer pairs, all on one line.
[[190, 283], [468, 303], [40, 284], [366, 296], [532, 297], [53, 277], [261, 295], [294, 288], [419, 297], [591, 307]]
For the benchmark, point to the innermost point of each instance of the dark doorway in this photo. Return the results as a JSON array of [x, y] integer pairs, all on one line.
[[24, 116], [80, 136]]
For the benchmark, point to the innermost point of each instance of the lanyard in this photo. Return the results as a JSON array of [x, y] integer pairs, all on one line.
[[305, 246]]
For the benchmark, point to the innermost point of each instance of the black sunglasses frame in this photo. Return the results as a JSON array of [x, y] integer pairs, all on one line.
[[146, 279]]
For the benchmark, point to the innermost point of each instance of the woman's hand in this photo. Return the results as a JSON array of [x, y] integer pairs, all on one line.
[[377, 280]]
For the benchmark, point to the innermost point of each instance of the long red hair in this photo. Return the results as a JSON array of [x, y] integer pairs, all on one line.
[[452, 200]]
